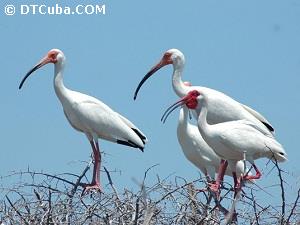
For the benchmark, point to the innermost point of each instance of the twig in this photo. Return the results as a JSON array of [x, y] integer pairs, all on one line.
[[50, 207], [148, 216], [146, 172], [294, 207], [173, 191], [111, 183], [43, 186], [47, 175], [137, 206], [282, 191], [254, 208], [17, 211], [117, 202], [78, 181]]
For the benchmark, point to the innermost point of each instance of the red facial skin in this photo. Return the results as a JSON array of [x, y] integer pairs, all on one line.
[[191, 99]]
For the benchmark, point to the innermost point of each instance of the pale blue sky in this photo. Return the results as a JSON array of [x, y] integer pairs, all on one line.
[[248, 49]]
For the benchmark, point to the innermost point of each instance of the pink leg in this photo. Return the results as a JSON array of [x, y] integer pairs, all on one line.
[[235, 179], [96, 171], [97, 158], [216, 186], [237, 183], [256, 176]]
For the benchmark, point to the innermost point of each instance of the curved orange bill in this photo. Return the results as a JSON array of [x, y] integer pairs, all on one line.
[[43, 62]]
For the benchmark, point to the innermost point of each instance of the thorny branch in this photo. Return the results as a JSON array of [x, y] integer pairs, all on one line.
[[282, 191], [41, 198]]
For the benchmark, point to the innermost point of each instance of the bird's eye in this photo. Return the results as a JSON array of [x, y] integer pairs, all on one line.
[[167, 55], [52, 55], [281, 153], [195, 93]]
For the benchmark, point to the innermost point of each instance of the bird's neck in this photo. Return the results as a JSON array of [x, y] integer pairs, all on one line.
[[203, 126], [183, 118], [178, 86], [60, 89]]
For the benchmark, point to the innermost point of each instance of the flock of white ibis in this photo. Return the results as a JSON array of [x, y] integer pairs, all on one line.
[[227, 130]]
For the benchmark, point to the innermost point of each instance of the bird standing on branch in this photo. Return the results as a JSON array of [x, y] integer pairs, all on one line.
[[230, 140], [90, 116]]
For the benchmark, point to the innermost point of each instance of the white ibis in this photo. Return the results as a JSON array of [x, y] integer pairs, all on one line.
[[196, 150], [90, 116], [230, 140], [221, 107]]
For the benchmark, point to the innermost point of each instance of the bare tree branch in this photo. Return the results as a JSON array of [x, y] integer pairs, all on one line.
[[41, 198]]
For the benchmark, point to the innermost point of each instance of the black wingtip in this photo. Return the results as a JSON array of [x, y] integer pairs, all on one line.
[[141, 136], [268, 126], [130, 144]]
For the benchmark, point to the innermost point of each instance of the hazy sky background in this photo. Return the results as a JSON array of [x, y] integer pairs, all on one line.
[[248, 49]]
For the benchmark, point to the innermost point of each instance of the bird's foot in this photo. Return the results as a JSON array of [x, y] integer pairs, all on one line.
[[211, 186], [199, 190], [250, 178], [214, 188], [253, 177], [87, 188]]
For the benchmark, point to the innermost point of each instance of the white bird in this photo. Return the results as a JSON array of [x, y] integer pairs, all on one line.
[[90, 116], [196, 150], [221, 107], [230, 140]]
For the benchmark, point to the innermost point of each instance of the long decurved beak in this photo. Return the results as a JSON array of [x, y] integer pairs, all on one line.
[[174, 106], [43, 62], [164, 61]]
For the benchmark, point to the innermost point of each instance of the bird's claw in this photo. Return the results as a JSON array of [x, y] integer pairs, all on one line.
[[247, 177], [208, 187], [90, 187], [201, 190], [215, 188]]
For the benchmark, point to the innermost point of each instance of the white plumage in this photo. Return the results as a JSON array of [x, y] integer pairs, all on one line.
[[197, 151], [90, 116], [230, 140], [221, 107]]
